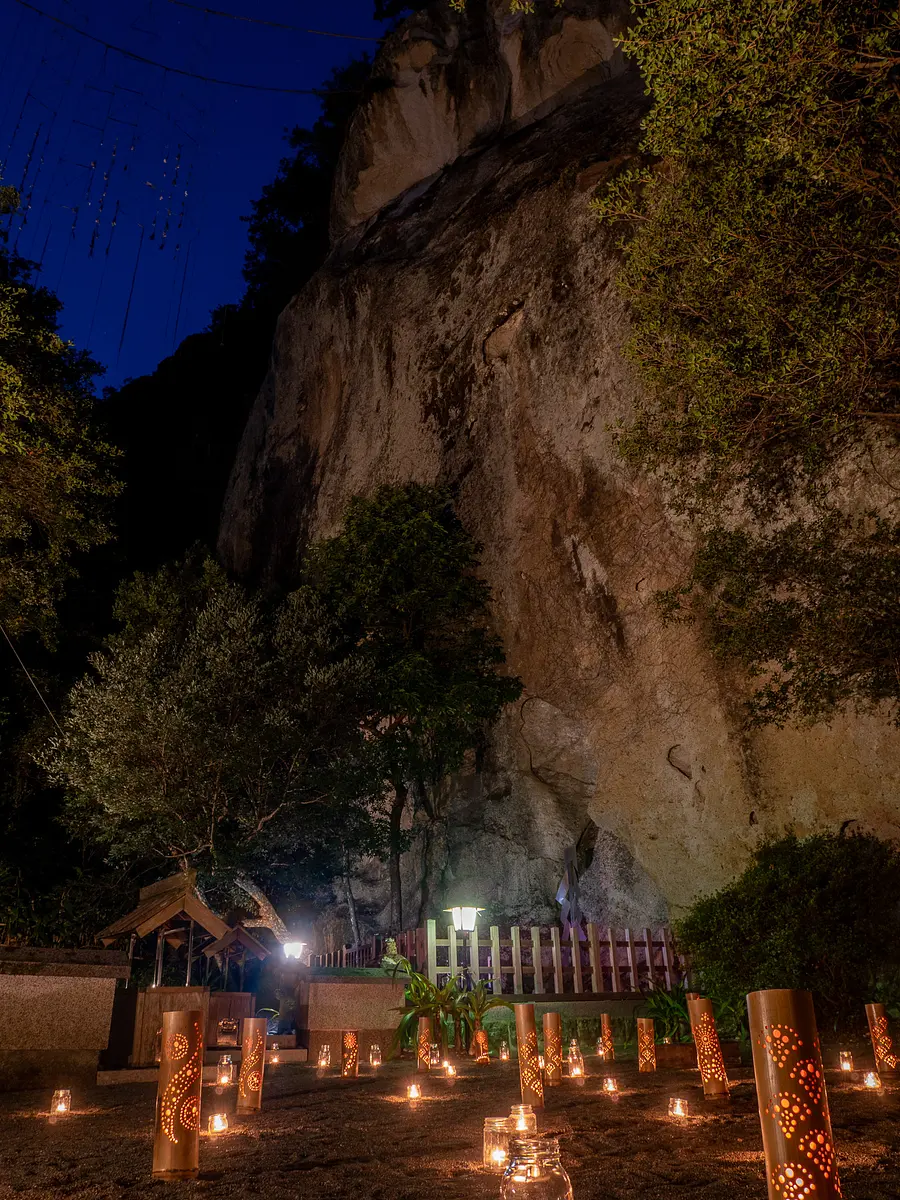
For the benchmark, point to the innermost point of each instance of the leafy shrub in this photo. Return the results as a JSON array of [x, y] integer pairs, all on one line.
[[819, 913]]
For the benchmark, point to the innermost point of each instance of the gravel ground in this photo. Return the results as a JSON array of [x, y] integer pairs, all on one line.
[[330, 1138]]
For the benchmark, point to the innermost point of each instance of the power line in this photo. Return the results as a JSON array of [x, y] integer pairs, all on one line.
[[252, 87], [30, 679], [214, 12]]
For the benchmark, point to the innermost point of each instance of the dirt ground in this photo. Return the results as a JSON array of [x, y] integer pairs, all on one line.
[[331, 1138]]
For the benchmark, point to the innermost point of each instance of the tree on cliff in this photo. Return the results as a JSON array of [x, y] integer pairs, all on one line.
[[218, 732], [761, 260], [56, 480], [400, 579]]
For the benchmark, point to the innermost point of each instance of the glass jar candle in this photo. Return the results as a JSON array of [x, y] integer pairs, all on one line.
[[61, 1102], [846, 1061], [434, 1056], [374, 1055], [872, 1080], [227, 1032], [610, 1086], [225, 1071], [495, 1154], [324, 1056], [504, 1051], [218, 1123], [678, 1107], [274, 1056], [534, 1171], [413, 1093], [522, 1119], [575, 1062]]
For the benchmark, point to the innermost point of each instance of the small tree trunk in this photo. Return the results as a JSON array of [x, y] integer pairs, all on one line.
[[397, 807], [268, 918], [351, 903]]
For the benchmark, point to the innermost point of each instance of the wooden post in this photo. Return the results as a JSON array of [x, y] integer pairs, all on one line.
[[596, 960], [474, 956], [790, 1089], [668, 958], [613, 940], [253, 1063], [514, 937], [176, 1142], [646, 1035], [576, 957], [709, 1052], [552, 1049], [158, 964], [453, 952], [648, 950], [607, 1045], [556, 950], [634, 981], [496, 977], [349, 1054], [424, 1038], [431, 937], [882, 1043], [536, 959], [529, 1069], [190, 954]]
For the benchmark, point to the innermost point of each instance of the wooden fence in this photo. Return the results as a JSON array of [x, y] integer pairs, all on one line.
[[534, 959]]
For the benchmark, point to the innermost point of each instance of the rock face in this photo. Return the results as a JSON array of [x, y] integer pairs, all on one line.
[[467, 329]]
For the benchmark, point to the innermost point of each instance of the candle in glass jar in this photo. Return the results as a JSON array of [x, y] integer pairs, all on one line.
[[504, 1051], [413, 1092], [218, 1123], [523, 1119], [678, 1107], [610, 1085], [846, 1060], [61, 1102], [872, 1079], [374, 1055], [495, 1153], [324, 1056]]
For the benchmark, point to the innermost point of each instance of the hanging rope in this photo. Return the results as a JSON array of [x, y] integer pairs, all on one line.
[[40, 694]]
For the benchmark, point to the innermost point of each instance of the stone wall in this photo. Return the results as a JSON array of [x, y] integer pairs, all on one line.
[[468, 330]]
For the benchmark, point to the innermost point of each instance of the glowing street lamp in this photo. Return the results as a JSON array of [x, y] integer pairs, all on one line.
[[464, 918], [294, 949]]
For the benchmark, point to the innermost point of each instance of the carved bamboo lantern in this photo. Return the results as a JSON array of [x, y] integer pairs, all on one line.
[[882, 1043], [552, 1049], [423, 1044], [793, 1104], [253, 1062], [349, 1053], [709, 1053], [607, 1045], [529, 1069], [176, 1142], [480, 1046], [646, 1036]]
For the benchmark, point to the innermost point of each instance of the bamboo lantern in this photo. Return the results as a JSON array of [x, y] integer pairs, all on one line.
[[253, 1063], [176, 1141], [646, 1036], [481, 1046], [349, 1053], [882, 1043], [607, 1045], [709, 1052], [793, 1105], [553, 1065], [423, 1044], [529, 1072]]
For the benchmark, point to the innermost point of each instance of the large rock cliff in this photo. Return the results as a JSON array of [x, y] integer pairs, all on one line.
[[467, 328]]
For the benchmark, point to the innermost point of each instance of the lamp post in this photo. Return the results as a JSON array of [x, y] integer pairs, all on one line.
[[294, 950], [465, 919]]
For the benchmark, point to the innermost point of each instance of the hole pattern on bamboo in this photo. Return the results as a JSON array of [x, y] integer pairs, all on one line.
[[816, 1146], [529, 1068], [709, 1052], [172, 1104], [882, 1043], [808, 1075], [250, 1080], [780, 1042], [788, 1111]]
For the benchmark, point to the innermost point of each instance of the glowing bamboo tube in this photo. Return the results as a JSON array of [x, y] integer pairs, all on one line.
[[349, 1053], [646, 1035], [481, 1047], [529, 1072], [176, 1141], [607, 1045], [709, 1052], [253, 1063], [882, 1043], [423, 1044], [793, 1105], [552, 1050]]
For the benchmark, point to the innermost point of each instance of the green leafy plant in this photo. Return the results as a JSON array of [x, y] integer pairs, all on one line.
[[424, 998], [818, 913], [473, 1006], [670, 1012]]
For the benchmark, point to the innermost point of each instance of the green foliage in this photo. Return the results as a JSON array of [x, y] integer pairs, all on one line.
[[56, 480], [818, 913], [762, 271], [224, 740], [811, 611], [442, 1005], [670, 1013]]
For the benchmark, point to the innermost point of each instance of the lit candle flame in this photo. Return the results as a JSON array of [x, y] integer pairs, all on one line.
[[451, 1070], [610, 1085], [413, 1092], [678, 1108], [872, 1080], [846, 1060], [498, 1155]]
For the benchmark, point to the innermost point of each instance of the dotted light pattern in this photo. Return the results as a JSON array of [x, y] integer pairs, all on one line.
[[607, 1046], [250, 1079], [882, 1044], [349, 1052], [796, 1180], [789, 1111], [647, 1046], [529, 1069], [709, 1052], [553, 1057], [190, 1113], [481, 1046], [816, 1146], [174, 1104], [423, 1047], [808, 1075]]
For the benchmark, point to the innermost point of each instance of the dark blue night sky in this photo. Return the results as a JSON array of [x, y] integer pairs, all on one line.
[[135, 178]]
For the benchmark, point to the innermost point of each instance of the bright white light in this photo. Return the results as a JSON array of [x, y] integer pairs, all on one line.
[[464, 919], [294, 949]]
